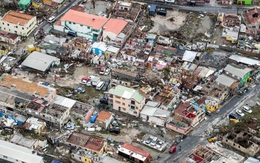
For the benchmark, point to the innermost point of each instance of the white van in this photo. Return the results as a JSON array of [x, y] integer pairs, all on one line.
[[100, 85]]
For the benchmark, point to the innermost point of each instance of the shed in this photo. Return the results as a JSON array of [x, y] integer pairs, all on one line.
[[40, 61]]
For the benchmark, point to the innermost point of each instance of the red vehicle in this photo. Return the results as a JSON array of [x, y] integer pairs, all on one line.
[[173, 149]]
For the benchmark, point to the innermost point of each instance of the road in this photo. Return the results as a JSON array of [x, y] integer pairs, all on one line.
[[199, 8], [47, 26], [197, 136]]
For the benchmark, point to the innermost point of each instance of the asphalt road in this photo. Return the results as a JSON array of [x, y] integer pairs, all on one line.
[[197, 136], [47, 26], [198, 8]]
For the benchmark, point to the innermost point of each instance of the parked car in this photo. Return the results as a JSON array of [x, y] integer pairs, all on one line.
[[258, 103], [172, 149], [162, 11], [247, 109], [103, 101], [51, 19], [233, 116], [46, 83], [84, 80], [240, 113], [107, 71], [80, 90], [115, 130], [106, 84], [154, 141], [148, 141]]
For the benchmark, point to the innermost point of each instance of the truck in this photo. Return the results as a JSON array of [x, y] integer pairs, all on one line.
[[152, 10]]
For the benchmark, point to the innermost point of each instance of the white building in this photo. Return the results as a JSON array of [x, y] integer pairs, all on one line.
[[18, 23], [15, 153], [82, 24]]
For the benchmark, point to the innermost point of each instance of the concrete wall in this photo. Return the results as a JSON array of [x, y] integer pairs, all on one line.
[[252, 150]]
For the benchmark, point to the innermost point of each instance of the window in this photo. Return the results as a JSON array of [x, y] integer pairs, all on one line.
[[7, 24], [69, 22], [88, 27], [5, 156], [22, 28], [124, 109], [118, 102], [117, 97], [123, 103], [74, 23], [3, 23], [81, 25]]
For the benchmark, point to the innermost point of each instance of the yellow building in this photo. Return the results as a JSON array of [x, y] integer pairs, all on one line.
[[37, 3], [18, 23]]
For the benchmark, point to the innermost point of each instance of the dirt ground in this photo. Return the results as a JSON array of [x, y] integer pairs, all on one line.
[[127, 135], [172, 22], [100, 6]]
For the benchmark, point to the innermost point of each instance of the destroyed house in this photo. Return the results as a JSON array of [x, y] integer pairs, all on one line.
[[187, 116], [128, 11], [123, 74], [80, 110], [231, 20], [251, 18], [203, 154], [87, 142], [242, 141]]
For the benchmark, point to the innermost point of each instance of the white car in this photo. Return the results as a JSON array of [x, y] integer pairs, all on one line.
[[240, 113], [258, 103], [107, 71], [51, 19], [247, 109]]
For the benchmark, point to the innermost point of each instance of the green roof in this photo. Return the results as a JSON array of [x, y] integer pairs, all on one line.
[[24, 2], [127, 93]]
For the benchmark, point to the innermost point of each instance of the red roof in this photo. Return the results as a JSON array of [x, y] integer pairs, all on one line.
[[180, 110], [96, 22], [136, 150], [103, 115], [115, 25]]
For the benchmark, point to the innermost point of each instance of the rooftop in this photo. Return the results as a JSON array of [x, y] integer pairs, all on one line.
[[16, 18], [23, 85], [135, 152], [103, 115], [23, 141], [96, 22], [189, 56], [39, 61], [115, 25], [19, 153], [245, 60], [236, 70], [127, 93], [225, 80], [86, 141]]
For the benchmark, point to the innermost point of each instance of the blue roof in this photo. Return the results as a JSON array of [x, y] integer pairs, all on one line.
[[56, 161], [152, 7]]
